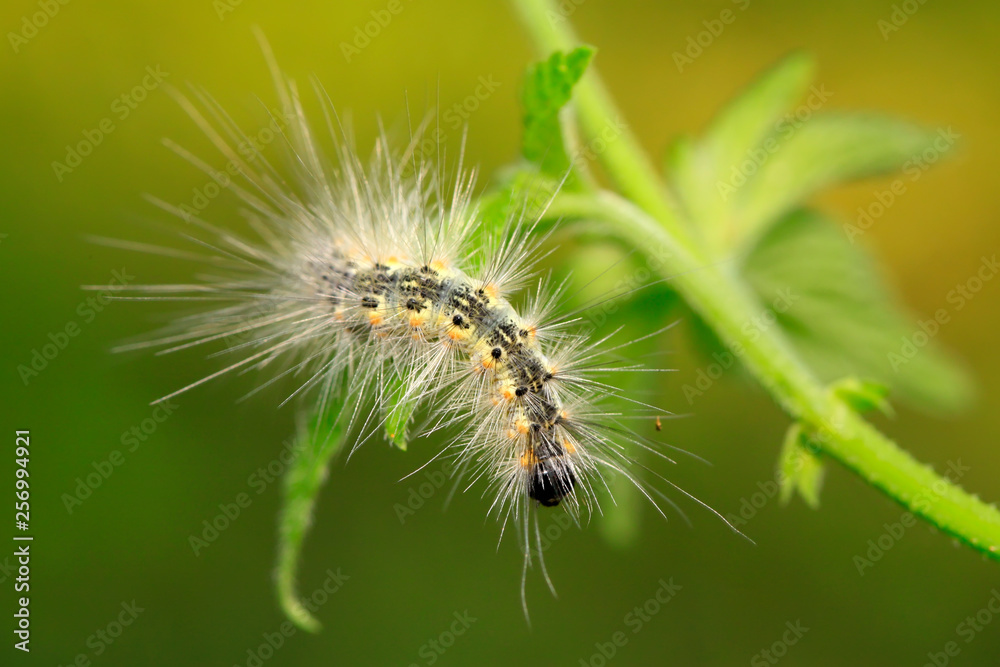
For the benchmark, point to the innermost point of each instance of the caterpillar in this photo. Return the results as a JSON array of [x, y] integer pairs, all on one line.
[[373, 281]]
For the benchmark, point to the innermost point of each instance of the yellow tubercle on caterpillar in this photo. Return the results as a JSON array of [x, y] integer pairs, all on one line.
[[488, 361], [489, 356], [417, 320], [397, 261], [528, 460]]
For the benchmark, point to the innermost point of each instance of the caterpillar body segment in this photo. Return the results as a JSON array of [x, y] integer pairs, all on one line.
[[436, 305]]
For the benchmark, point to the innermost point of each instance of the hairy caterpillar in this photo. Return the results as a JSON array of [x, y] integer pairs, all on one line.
[[379, 271]]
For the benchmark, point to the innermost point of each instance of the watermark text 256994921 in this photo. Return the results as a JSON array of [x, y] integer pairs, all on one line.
[[22, 552]]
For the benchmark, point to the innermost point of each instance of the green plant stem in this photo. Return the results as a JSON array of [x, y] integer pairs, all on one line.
[[624, 160], [317, 444], [648, 220]]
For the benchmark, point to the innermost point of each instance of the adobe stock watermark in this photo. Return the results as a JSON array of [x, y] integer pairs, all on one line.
[[87, 310], [967, 630], [563, 10], [605, 309], [958, 298], [894, 532], [913, 169], [554, 529], [431, 652], [131, 440], [104, 637], [634, 621], [429, 482], [697, 43], [823, 432], [7, 569], [418, 494], [779, 649], [751, 505], [224, 8], [258, 481], [433, 140], [583, 155], [786, 126], [273, 641], [365, 34], [121, 108], [458, 113], [766, 491], [752, 329], [249, 149], [900, 15], [258, 316], [32, 23]]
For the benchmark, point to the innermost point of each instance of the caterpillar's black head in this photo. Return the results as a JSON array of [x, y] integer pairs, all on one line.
[[551, 481]]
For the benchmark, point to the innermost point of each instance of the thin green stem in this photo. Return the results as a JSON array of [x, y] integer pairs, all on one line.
[[834, 426], [647, 219], [623, 158], [316, 446]]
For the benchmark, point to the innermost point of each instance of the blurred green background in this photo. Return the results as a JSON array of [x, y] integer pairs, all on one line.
[[130, 539]]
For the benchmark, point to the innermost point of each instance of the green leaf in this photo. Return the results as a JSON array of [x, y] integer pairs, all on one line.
[[548, 88], [832, 304], [763, 156], [863, 395], [398, 413], [801, 468], [826, 149], [315, 446], [698, 168], [522, 193], [757, 112]]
